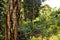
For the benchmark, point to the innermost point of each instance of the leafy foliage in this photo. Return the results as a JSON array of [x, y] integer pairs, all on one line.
[[2, 17], [46, 19], [31, 8]]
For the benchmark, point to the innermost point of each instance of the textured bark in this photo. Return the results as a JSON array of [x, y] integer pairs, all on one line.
[[15, 19], [9, 18], [8, 24], [11, 30]]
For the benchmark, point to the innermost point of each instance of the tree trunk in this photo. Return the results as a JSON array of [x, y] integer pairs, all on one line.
[[11, 30], [15, 18], [8, 26]]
